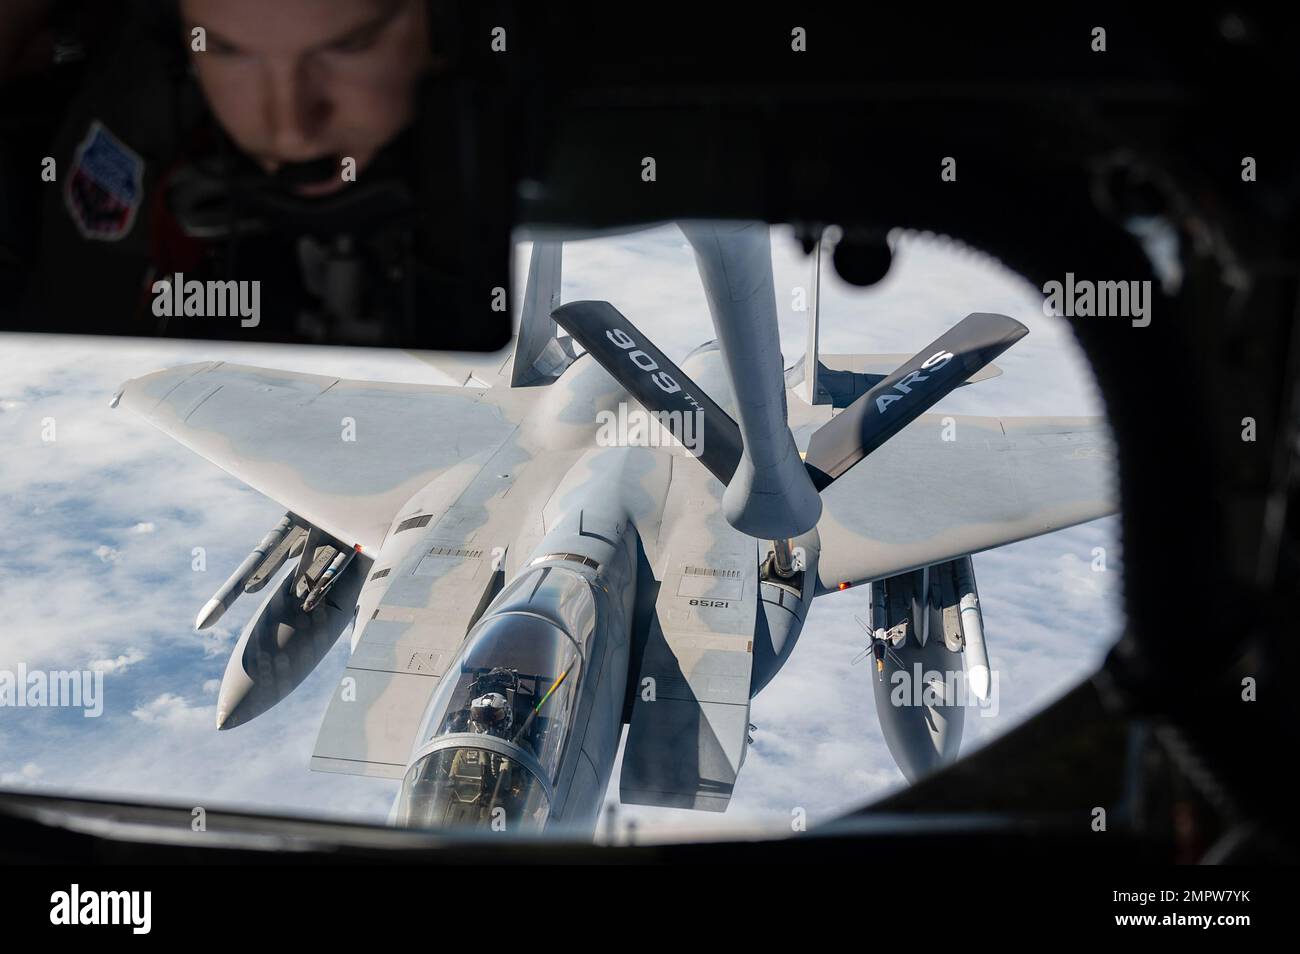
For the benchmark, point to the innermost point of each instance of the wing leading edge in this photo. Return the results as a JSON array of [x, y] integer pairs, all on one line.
[[343, 455]]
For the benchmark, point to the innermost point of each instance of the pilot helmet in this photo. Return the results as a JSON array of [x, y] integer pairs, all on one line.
[[488, 710]]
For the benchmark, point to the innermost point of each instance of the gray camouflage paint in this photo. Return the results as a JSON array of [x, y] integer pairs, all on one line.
[[503, 474]]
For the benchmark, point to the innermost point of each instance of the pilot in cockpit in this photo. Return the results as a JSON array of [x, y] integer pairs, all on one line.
[[489, 714]]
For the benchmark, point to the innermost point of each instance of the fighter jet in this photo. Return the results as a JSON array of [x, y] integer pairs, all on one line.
[[525, 572]]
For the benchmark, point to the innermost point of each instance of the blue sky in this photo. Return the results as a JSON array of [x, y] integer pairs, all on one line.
[[100, 524]]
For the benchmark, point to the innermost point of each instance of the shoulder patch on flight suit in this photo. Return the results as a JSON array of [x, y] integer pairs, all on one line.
[[106, 186]]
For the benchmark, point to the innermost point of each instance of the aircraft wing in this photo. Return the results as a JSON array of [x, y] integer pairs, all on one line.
[[470, 368], [920, 499], [342, 455]]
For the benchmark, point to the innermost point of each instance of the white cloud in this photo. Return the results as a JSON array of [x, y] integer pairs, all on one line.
[[1048, 616], [119, 665], [28, 775], [170, 709]]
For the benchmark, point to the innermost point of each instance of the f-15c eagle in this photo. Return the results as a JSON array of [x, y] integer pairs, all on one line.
[[520, 586]]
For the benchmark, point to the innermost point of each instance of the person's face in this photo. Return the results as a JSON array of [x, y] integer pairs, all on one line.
[[299, 80]]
